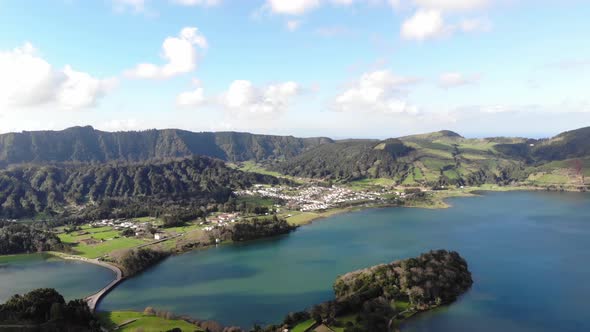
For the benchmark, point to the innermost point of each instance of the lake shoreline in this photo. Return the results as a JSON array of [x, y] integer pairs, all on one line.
[[545, 199]]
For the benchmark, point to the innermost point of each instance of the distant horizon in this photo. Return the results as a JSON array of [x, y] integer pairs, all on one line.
[[338, 68], [336, 138]]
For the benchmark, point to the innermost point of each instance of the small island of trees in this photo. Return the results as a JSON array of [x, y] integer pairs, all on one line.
[[382, 296]]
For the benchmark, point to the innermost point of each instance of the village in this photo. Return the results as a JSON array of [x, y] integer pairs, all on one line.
[[150, 228], [298, 205], [315, 198]]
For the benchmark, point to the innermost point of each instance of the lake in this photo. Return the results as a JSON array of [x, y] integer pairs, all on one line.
[[73, 279], [528, 253]]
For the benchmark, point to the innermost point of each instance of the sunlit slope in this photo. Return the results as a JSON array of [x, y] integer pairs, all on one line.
[[445, 158]]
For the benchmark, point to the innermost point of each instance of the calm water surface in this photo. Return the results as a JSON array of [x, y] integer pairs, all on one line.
[[528, 253], [23, 273]]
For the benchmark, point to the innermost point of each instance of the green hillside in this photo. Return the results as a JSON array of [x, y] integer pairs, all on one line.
[[31, 189], [85, 144], [446, 158]]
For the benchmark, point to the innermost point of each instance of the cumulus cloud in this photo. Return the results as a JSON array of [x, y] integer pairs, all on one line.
[[429, 21], [454, 79], [180, 54], [299, 7], [192, 98], [29, 80], [429, 24], [424, 24], [292, 7], [243, 96], [379, 91]]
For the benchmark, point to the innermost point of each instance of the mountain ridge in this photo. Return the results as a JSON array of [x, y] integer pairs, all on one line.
[[86, 144], [438, 158]]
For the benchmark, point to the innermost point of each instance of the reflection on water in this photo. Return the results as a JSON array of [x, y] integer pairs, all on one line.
[[527, 252], [23, 273]]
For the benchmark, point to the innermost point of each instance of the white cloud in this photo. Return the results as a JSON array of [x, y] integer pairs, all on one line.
[[193, 98], [378, 91], [179, 52], [425, 24], [453, 79], [293, 25], [292, 7], [243, 96], [197, 2], [299, 7], [29, 80], [429, 24], [452, 5], [80, 90]]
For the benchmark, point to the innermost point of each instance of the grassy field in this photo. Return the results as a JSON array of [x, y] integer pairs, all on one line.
[[303, 218], [256, 201], [303, 326], [111, 238], [188, 227], [367, 184], [401, 305], [253, 167], [101, 249], [548, 178], [142, 322], [106, 234]]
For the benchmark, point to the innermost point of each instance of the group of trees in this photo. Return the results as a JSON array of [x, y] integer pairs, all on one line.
[[253, 229], [46, 308], [433, 278], [28, 190], [429, 280], [348, 160], [260, 228], [358, 159], [85, 144], [135, 261], [18, 238]]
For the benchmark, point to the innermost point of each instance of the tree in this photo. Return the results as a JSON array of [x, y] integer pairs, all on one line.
[[128, 232], [578, 167]]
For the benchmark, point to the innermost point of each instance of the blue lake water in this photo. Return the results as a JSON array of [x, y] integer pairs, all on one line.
[[23, 273], [528, 252]]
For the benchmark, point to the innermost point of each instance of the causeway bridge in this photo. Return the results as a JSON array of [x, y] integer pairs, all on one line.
[[93, 299]]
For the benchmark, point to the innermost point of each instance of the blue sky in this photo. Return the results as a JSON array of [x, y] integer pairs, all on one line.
[[339, 68]]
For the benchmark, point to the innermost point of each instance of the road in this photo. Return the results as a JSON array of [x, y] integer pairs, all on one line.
[[93, 299]]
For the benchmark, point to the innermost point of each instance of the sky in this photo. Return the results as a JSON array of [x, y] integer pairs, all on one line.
[[337, 68]]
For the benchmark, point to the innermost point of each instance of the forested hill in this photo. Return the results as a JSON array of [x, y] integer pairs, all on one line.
[[445, 157], [85, 144], [30, 189]]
